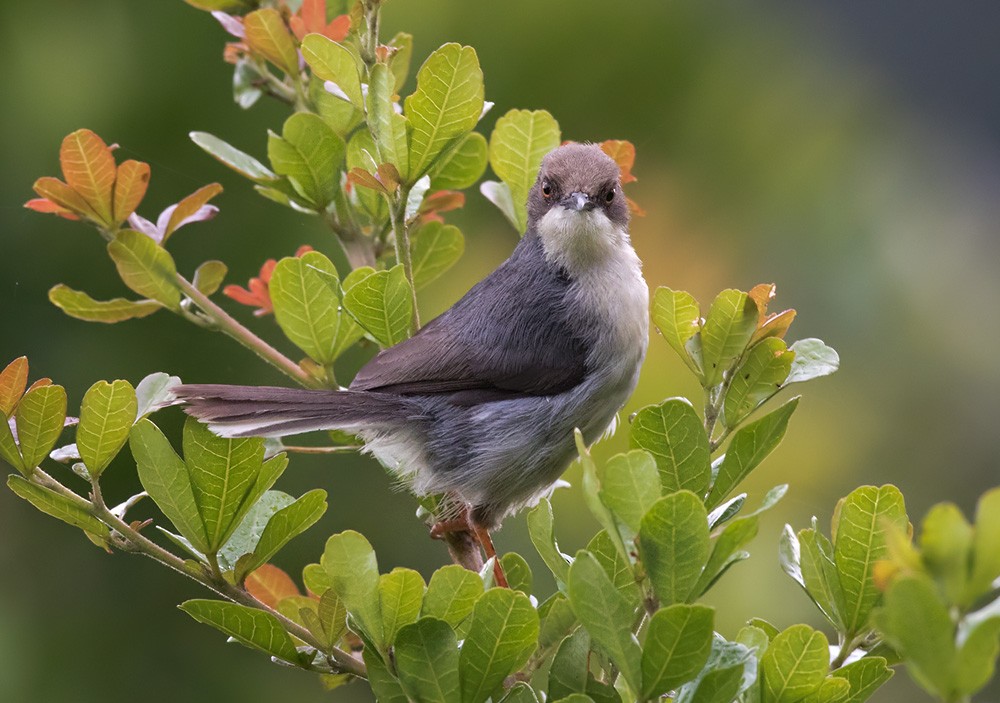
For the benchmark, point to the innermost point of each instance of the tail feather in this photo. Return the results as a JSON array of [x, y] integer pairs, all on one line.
[[269, 411]]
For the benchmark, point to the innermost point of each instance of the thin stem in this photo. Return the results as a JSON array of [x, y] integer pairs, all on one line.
[[322, 450], [369, 38], [402, 240], [230, 326]]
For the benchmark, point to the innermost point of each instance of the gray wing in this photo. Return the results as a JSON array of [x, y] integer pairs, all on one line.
[[510, 335]]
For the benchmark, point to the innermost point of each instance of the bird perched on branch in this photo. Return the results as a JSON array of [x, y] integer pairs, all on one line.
[[481, 404]]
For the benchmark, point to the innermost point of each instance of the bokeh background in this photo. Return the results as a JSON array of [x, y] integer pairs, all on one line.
[[849, 152]]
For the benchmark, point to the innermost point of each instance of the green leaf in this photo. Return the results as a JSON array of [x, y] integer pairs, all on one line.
[[286, 524], [209, 276], [592, 495], [223, 472], [499, 194], [557, 621], [759, 377], [795, 664], [334, 62], [247, 535], [673, 433], [427, 661], [332, 616], [341, 115], [865, 676], [519, 141], [674, 544], [461, 165], [78, 304], [58, 506], [616, 566], [501, 638], [106, 416], [400, 61], [570, 671], [678, 642], [434, 249], [728, 328], [860, 542], [540, 529], [401, 593], [362, 153], [812, 360], [306, 306], [520, 693], [517, 571], [383, 305], [224, 153], [946, 545], [915, 621], [268, 36], [350, 561], [808, 559], [254, 628], [731, 668], [830, 691], [451, 594], [630, 484], [733, 536], [446, 104], [165, 477], [606, 614], [154, 392], [388, 127], [40, 414], [750, 445], [309, 153], [677, 317], [8, 447], [977, 655], [985, 545], [146, 267], [385, 686]]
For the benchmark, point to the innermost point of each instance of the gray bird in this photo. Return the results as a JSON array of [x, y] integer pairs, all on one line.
[[482, 402]]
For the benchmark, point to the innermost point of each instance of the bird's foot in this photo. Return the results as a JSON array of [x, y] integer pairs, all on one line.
[[465, 523]]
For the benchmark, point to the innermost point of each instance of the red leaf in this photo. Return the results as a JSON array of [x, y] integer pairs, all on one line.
[[13, 379], [623, 153], [270, 585], [89, 169], [442, 201], [65, 197], [339, 28], [130, 188], [47, 206]]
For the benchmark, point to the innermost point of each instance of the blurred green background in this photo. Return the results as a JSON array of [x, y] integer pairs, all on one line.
[[848, 152]]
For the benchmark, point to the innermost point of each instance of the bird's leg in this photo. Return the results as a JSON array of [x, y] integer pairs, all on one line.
[[459, 532], [483, 535]]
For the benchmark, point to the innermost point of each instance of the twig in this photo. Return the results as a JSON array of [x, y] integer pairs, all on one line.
[[397, 209]]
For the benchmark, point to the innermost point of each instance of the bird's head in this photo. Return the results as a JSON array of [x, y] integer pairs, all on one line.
[[577, 207]]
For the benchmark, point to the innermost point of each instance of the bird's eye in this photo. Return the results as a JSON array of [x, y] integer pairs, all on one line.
[[610, 196], [546, 189]]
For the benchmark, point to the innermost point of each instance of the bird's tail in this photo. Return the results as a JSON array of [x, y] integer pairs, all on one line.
[[269, 411]]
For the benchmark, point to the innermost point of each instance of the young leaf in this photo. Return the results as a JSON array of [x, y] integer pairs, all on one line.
[[286, 524], [678, 642], [556, 621], [353, 569], [750, 445], [146, 267], [860, 542], [309, 153], [40, 417], [461, 165], [447, 103], [383, 305], [606, 614], [245, 537], [59, 198], [677, 317], [270, 585], [519, 141], [188, 209], [674, 543], [130, 188], [946, 544], [165, 477], [333, 62], [977, 654], [499, 194], [13, 380], [618, 568], [731, 669], [81, 306], [518, 573], [760, 376], [540, 529], [795, 664], [733, 537], [268, 36], [570, 671], [387, 126], [865, 676], [106, 416], [731, 322], [592, 495], [451, 594], [8, 447], [985, 544], [401, 593], [209, 276], [812, 360], [502, 636], [58, 506], [254, 628], [673, 433], [427, 661], [307, 307], [242, 163], [435, 248], [89, 169], [630, 485]]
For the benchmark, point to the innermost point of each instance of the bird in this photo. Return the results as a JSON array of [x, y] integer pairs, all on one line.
[[482, 403]]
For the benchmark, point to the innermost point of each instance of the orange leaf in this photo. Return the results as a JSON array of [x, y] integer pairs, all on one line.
[[130, 188], [45, 205], [389, 176], [443, 201], [339, 28], [190, 205], [39, 383], [623, 153], [762, 294], [635, 208], [89, 169], [13, 379], [65, 197], [361, 177], [267, 35], [776, 325], [313, 14], [269, 585]]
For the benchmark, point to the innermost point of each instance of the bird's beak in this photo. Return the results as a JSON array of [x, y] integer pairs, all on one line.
[[580, 202]]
